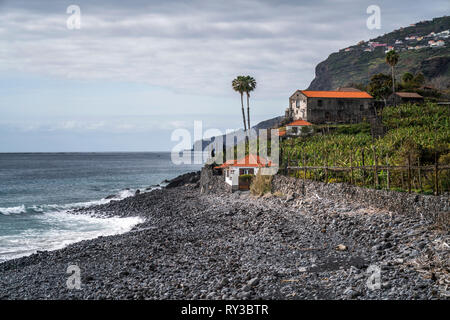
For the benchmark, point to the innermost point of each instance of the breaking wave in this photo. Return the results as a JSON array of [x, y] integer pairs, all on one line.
[[25, 230]]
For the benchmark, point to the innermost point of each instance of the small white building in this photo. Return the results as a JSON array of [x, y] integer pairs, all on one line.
[[298, 128], [389, 48], [249, 165]]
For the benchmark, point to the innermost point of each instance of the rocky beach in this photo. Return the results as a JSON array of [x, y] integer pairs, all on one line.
[[221, 245]]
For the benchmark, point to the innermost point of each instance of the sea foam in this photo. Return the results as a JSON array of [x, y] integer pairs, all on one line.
[[52, 226]]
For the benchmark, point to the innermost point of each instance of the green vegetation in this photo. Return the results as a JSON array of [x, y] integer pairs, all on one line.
[[238, 85], [392, 59], [342, 69], [380, 86], [261, 184], [246, 177], [419, 134], [245, 84], [412, 82]]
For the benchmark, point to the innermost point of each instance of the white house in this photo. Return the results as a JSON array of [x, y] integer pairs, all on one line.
[[389, 48], [298, 127], [250, 164]]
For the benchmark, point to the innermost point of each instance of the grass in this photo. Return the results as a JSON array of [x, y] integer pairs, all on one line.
[[260, 184]]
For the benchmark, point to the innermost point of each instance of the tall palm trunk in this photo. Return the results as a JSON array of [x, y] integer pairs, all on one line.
[[243, 111], [393, 86], [248, 111]]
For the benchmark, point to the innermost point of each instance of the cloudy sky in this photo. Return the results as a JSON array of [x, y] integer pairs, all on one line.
[[137, 70]]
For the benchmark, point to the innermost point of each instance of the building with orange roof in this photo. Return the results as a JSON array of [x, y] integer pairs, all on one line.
[[298, 127], [250, 164], [339, 106]]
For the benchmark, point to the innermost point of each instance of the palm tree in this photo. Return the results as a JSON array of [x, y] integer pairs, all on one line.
[[250, 85], [238, 85], [392, 59]]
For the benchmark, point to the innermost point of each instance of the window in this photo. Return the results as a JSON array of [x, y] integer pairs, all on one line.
[[319, 103], [297, 103], [245, 171], [361, 107]]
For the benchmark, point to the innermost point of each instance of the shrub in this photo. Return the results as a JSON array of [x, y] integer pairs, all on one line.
[[245, 177], [261, 184], [353, 129]]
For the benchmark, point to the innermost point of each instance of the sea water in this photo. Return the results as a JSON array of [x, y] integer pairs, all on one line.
[[38, 190]]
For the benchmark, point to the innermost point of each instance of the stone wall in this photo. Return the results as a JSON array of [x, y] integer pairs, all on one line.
[[329, 110], [212, 183], [400, 202], [321, 110], [415, 204]]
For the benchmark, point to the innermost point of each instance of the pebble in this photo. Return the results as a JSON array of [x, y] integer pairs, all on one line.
[[236, 246]]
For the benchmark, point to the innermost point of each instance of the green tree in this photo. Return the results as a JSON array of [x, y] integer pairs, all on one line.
[[419, 79], [380, 86], [250, 85], [239, 85], [407, 77], [392, 59]]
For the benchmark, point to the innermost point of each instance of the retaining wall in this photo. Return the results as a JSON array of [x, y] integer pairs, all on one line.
[[427, 206]]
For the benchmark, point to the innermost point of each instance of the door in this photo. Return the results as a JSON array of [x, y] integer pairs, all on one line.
[[245, 178]]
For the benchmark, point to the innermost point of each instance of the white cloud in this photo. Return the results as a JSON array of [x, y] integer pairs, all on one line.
[[195, 49]]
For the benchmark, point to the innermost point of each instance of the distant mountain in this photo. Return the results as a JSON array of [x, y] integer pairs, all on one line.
[[266, 124], [271, 123], [423, 47]]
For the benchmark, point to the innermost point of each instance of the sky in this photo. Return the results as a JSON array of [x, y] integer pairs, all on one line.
[[135, 71]]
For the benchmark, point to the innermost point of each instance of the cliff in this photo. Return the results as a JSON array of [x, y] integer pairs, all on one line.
[[356, 64]]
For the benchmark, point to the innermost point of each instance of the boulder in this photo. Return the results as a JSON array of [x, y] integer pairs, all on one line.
[[191, 177]]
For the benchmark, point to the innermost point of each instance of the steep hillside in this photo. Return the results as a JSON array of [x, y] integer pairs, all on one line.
[[424, 48], [266, 124]]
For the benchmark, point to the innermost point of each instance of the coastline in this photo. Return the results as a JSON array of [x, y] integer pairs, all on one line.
[[236, 246]]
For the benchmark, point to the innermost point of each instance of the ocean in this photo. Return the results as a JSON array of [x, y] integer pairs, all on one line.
[[37, 191]]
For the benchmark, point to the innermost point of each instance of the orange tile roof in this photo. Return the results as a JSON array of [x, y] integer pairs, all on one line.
[[281, 133], [248, 161], [299, 123], [336, 94], [224, 165]]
